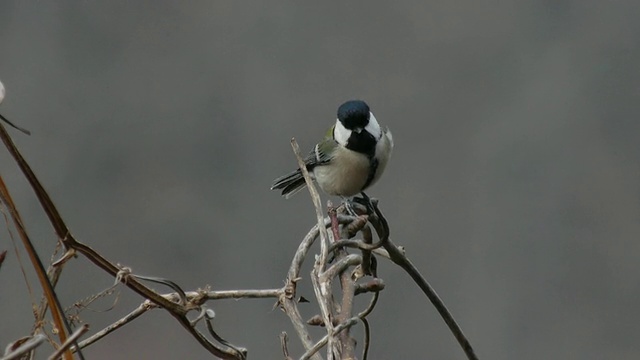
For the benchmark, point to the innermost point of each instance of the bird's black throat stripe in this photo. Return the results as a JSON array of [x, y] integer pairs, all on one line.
[[363, 143], [373, 167]]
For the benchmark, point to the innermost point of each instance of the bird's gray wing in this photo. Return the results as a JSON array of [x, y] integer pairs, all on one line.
[[321, 153]]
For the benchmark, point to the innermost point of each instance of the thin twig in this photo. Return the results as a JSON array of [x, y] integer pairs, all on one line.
[[143, 308], [27, 132], [287, 298], [399, 258], [355, 243], [70, 341], [285, 348], [47, 288], [27, 345], [367, 339], [347, 284], [373, 286], [228, 353], [194, 297], [340, 266], [367, 329], [367, 257], [209, 315], [290, 308], [237, 294], [169, 283], [322, 290], [178, 311], [342, 326], [315, 197]]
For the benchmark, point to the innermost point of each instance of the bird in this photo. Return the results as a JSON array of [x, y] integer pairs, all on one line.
[[351, 158]]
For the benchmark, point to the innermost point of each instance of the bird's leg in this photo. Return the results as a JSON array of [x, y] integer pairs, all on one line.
[[365, 201], [357, 206], [348, 206]]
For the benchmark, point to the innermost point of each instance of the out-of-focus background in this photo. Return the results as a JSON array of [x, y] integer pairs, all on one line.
[[515, 183]]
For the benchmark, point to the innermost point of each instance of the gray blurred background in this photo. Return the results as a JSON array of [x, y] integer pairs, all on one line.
[[515, 183]]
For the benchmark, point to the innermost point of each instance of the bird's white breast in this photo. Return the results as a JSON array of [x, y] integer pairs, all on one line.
[[345, 175], [348, 171]]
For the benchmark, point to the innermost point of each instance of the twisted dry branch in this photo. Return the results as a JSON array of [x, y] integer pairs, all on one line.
[[334, 262]]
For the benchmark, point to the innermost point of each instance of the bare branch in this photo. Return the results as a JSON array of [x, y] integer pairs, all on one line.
[[315, 197], [322, 290], [343, 326], [209, 315], [399, 258], [290, 308], [283, 343], [237, 294], [169, 283], [143, 308], [178, 311], [356, 243], [70, 341], [374, 286], [24, 345], [287, 298], [27, 132], [367, 339], [47, 287], [333, 262], [340, 266]]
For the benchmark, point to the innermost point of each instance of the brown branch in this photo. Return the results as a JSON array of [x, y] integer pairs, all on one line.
[[287, 298], [237, 294], [315, 197], [23, 345], [367, 339], [143, 308], [397, 255], [373, 286], [359, 244], [209, 315], [27, 132], [321, 290], [47, 288], [335, 316], [283, 343], [70, 341], [340, 266], [178, 311], [193, 297], [342, 326]]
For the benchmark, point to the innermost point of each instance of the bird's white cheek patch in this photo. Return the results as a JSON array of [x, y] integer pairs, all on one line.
[[373, 127], [341, 134]]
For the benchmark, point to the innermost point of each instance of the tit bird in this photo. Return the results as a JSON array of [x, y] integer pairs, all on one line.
[[351, 157]]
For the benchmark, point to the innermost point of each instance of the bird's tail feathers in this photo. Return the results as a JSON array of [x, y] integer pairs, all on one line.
[[290, 184]]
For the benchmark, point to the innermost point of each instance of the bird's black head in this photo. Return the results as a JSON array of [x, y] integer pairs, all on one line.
[[354, 114]]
